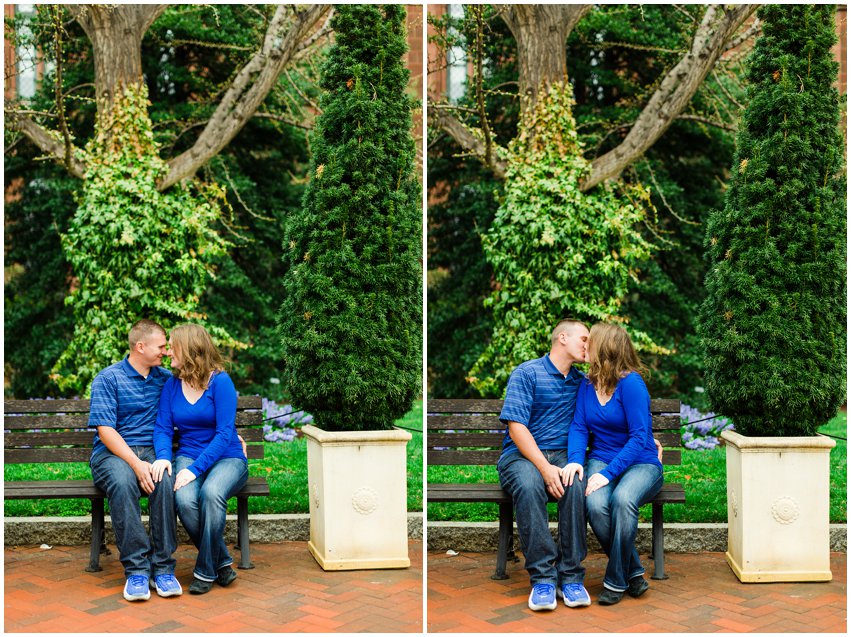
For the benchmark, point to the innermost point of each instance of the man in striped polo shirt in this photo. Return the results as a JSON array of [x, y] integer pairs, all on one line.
[[124, 404], [538, 409]]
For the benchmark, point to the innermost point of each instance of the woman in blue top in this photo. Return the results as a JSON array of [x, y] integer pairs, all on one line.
[[200, 400], [624, 471]]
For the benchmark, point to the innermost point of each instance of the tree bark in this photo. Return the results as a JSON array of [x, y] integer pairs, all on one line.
[[116, 33], [248, 90], [541, 31], [679, 85]]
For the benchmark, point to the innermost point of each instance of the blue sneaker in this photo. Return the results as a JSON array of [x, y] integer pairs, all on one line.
[[137, 589], [575, 595], [543, 597], [168, 586]]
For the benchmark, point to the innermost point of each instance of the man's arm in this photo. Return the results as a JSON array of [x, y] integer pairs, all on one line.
[[113, 441], [525, 442]]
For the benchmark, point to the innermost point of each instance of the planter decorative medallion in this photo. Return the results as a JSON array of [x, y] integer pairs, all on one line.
[[357, 482], [778, 499]]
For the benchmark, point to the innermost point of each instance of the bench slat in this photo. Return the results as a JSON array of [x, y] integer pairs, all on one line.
[[77, 454], [463, 457], [42, 406], [466, 440], [83, 438], [672, 493], [492, 423], [81, 421], [65, 489], [464, 421], [494, 406]]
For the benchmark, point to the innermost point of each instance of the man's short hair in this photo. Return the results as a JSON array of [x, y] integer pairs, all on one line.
[[142, 330], [563, 325]]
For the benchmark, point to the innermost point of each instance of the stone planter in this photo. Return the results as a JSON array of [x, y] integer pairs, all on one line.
[[358, 498], [778, 497]]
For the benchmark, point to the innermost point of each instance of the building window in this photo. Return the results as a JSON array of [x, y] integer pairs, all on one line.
[[456, 59], [27, 56]]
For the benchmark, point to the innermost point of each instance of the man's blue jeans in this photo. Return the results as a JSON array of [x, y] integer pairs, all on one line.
[[140, 553], [202, 505], [546, 562], [613, 515]]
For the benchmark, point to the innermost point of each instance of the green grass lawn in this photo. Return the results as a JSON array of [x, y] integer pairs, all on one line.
[[703, 474], [285, 468]]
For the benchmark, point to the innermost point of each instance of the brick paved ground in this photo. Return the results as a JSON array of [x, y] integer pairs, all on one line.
[[702, 595], [49, 591]]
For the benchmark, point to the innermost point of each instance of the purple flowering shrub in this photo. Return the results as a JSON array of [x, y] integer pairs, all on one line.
[[283, 426], [699, 430]]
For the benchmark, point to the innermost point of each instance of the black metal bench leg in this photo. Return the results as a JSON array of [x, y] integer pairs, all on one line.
[[658, 543], [98, 536], [242, 533], [506, 532]]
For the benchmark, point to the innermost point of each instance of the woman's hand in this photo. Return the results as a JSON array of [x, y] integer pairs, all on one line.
[[184, 477], [658, 449], [244, 446], [595, 482], [570, 470], [159, 468]]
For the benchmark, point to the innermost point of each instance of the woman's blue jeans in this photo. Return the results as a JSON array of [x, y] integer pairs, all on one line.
[[546, 561], [202, 506], [612, 511]]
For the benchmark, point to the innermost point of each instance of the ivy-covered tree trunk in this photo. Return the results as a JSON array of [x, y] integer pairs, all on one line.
[[774, 321], [135, 252], [116, 37], [351, 321], [556, 252]]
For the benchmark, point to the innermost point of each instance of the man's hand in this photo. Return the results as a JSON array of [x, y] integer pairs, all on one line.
[[552, 480], [244, 446], [142, 470], [658, 449], [184, 477], [595, 482], [159, 468], [570, 470]]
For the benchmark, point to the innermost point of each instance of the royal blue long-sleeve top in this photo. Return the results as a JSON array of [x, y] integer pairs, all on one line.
[[206, 429], [620, 432]]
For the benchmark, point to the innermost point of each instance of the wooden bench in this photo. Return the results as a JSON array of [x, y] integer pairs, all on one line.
[[469, 432], [50, 431]]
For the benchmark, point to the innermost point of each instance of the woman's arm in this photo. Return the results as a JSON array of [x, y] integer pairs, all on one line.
[[636, 404], [163, 433], [224, 402], [577, 439]]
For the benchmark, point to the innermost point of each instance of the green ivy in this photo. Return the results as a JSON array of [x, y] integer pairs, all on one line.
[[135, 252], [555, 251]]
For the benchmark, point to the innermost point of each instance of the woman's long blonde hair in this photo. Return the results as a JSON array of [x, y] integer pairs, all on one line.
[[612, 356], [198, 355]]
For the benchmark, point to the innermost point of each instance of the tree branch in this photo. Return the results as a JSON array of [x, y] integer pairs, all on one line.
[[248, 90], [466, 139], [677, 88], [48, 141]]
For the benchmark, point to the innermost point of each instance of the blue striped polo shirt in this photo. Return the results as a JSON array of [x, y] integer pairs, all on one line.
[[542, 398], [127, 401]]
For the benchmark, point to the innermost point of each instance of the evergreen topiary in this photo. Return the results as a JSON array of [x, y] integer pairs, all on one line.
[[773, 324], [556, 252], [351, 319]]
